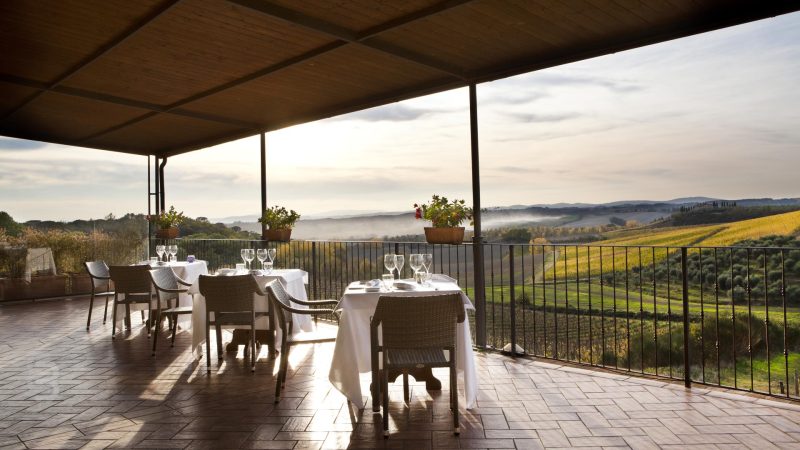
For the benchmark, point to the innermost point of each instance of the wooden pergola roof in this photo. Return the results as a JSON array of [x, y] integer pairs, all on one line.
[[164, 77]]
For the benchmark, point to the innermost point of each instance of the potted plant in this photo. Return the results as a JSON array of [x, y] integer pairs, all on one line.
[[446, 217], [167, 223], [279, 222]]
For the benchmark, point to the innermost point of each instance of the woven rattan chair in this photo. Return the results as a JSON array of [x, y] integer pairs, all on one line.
[[101, 286], [281, 303], [132, 285], [415, 333], [230, 299], [168, 289]]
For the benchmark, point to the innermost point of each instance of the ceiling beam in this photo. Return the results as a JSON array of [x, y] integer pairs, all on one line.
[[366, 39], [371, 32], [97, 96], [99, 53]]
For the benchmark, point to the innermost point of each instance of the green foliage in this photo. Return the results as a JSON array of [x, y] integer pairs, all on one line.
[[279, 218], [444, 213], [8, 224], [169, 219]]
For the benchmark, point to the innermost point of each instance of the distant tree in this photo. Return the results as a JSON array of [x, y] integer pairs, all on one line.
[[110, 216], [202, 219], [7, 223]]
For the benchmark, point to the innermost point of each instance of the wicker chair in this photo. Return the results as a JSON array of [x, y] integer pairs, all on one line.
[[231, 300], [101, 286], [168, 288], [415, 332], [134, 284], [281, 302]]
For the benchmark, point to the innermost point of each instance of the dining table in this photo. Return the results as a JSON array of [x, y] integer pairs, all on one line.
[[352, 356], [293, 280]]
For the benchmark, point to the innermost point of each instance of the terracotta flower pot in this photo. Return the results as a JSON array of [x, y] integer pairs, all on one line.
[[448, 235], [167, 233], [278, 235]]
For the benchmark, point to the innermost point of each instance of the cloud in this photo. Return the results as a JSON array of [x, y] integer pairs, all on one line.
[[620, 86], [395, 112], [515, 97], [20, 144], [540, 118]]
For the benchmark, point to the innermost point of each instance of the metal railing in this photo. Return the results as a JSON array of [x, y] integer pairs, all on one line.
[[726, 316]]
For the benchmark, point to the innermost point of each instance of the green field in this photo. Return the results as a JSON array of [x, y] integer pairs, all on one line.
[[585, 261]]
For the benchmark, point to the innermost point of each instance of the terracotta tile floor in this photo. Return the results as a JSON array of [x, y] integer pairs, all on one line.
[[61, 387]]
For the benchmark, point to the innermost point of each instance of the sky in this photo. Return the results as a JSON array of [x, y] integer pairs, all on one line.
[[717, 114]]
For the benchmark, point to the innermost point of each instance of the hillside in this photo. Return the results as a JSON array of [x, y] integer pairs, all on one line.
[[787, 224]]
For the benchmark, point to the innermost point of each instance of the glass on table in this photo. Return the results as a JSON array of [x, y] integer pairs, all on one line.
[[388, 281], [399, 260], [261, 254], [173, 252], [415, 262], [243, 254], [160, 250], [388, 262], [271, 254], [249, 256]]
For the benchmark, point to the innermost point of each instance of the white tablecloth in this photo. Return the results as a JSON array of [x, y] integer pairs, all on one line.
[[351, 355], [187, 271], [293, 280]]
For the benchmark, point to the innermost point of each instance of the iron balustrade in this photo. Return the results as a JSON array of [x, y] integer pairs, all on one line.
[[627, 308]]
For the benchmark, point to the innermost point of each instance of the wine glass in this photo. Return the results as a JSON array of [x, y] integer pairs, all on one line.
[[427, 263], [261, 254], [243, 254], [415, 261], [399, 260], [249, 255], [160, 252], [388, 262], [271, 253], [173, 252]]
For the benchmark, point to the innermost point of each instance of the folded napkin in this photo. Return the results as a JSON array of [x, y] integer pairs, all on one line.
[[372, 283]]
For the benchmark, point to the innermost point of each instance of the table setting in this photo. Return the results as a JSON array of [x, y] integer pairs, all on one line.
[[351, 357], [293, 280]]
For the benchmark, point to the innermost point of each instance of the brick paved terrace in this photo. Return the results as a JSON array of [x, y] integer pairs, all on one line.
[[61, 387]]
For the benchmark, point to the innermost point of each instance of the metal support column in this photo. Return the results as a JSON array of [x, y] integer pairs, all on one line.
[[477, 239], [162, 195], [263, 182]]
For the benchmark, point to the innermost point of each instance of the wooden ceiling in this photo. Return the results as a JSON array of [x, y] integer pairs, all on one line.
[[164, 77]]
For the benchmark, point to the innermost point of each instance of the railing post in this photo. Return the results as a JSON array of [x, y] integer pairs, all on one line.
[[313, 275], [687, 375], [513, 301]]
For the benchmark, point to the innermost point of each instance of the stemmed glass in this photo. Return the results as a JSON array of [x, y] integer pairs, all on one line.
[[160, 250], [271, 253], [243, 254], [389, 262], [249, 255], [262, 256], [427, 263], [415, 261], [399, 260], [173, 252]]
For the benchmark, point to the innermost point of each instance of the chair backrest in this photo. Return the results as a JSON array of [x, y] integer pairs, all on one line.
[[131, 279], [279, 300], [98, 272], [164, 279], [229, 293], [419, 322]]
